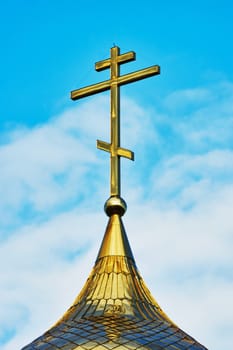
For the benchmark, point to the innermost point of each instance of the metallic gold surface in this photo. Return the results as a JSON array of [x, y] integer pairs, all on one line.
[[115, 242], [115, 205], [115, 309], [114, 84]]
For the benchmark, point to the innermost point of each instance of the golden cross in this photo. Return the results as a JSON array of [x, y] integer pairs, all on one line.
[[113, 85]]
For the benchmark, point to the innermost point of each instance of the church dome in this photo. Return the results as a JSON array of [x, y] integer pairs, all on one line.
[[115, 309]]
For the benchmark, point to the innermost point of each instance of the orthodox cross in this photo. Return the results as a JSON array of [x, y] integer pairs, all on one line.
[[113, 84]]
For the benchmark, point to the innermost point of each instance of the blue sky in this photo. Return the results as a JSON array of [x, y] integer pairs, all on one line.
[[54, 182]]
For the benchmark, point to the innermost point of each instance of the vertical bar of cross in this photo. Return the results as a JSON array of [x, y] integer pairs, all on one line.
[[115, 124], [113, 84]]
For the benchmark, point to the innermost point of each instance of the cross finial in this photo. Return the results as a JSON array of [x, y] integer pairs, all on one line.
[[113, 84]]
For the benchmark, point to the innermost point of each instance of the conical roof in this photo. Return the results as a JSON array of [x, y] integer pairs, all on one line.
[[115, 309]]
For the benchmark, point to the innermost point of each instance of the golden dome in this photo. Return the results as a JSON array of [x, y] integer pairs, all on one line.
[[115, 309]]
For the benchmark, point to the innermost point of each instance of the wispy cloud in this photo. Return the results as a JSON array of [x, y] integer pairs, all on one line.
[[179, 191]]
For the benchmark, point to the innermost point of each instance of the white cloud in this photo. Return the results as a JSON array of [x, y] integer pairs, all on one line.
[[186, 265], [186, 179], [186, 259], [182, 99], [43, 167], [39, 256], [53, 166]]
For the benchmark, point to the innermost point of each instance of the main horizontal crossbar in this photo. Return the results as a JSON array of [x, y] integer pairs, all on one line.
[[122, 80]]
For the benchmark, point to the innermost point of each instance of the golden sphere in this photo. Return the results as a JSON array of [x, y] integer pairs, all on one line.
[[115, 205]]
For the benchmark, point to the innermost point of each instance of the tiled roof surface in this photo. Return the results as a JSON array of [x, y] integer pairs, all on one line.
[[115, 309]]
